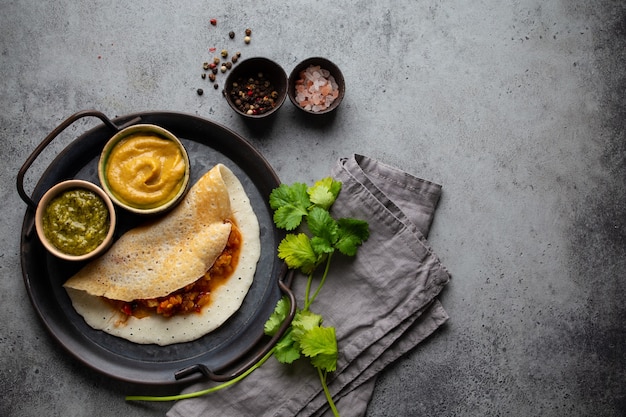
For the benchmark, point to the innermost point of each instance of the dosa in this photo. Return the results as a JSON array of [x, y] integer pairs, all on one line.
[[158, 258]]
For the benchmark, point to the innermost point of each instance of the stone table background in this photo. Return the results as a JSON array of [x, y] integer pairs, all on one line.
[[516, 107]]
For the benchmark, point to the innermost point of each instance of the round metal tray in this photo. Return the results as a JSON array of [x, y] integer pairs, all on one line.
[[220, 355]]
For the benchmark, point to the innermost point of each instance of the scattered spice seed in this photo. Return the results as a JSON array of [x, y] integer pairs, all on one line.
[[216, 65]]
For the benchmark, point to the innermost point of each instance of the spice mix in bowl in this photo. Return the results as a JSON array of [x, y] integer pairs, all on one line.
[[256, 88]]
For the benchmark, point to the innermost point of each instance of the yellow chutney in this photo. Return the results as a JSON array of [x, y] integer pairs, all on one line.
[[145, 171]]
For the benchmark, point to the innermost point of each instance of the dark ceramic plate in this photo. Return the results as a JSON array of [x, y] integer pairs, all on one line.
[[150, 365]]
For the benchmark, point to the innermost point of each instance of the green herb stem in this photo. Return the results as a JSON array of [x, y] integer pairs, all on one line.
[[307, 292], [205, 391], [308, 301], [329, 397]]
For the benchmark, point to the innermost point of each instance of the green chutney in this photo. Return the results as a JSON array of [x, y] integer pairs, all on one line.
[[76, 222]]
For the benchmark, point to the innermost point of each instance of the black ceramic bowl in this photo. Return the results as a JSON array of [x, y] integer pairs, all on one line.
[[256, 87], [306, 100]]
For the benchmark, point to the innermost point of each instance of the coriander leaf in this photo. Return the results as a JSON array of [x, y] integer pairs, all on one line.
[[277, 317], [294, 194], [352, 233], [303, 322], [321, 224], [324, 192], [321, 247], [297, 252], [287, 350], [320, 344], [290, 205]]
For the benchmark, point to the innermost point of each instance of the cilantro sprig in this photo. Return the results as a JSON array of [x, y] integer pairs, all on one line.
[[298, 206]]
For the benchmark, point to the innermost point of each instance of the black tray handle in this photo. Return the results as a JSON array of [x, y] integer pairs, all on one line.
[[64, 125], [285, 287]]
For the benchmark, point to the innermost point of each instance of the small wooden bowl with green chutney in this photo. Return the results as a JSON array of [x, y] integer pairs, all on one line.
[[75, 220]]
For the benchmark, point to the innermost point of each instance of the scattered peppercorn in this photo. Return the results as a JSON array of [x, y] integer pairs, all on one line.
[[221, 63]]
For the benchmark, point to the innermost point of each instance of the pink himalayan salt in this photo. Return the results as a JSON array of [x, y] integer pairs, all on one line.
[[316, 89]]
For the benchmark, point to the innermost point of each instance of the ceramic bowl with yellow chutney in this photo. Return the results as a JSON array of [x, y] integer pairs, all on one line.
[[75, 220], [144, 169]]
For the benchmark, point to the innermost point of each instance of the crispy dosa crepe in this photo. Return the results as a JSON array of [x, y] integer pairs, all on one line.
[[159, 258]]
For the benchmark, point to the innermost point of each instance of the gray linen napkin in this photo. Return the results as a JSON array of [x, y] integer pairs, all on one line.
[[382, 302]]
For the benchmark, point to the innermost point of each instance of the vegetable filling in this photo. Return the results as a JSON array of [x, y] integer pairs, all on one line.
[[193, 297]]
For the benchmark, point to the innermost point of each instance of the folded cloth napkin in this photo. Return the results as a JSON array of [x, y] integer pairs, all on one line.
[[382, 302]]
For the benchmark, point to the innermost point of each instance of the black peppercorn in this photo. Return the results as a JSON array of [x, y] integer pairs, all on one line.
[[253, 95]]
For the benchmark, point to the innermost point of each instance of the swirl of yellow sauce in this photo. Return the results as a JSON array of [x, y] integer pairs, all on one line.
[[145, 171]]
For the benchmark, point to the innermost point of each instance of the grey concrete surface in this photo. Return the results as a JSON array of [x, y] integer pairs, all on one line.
[[516, 107]]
